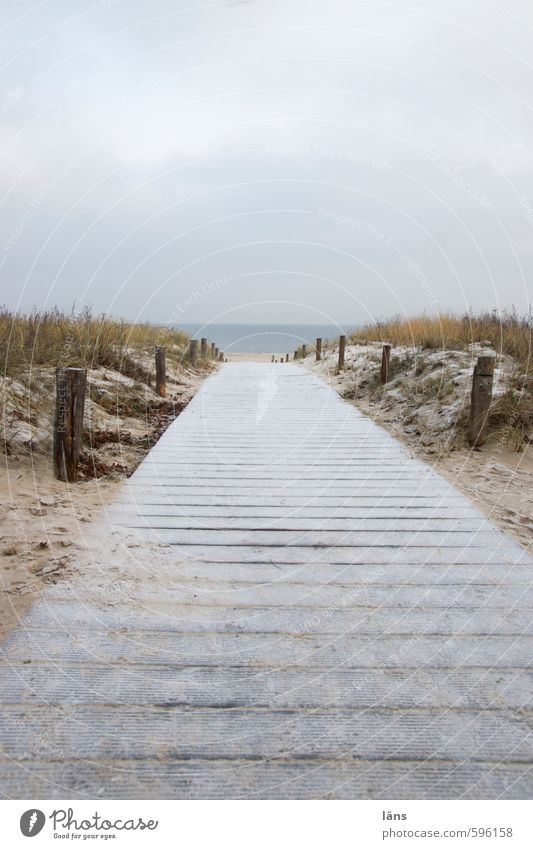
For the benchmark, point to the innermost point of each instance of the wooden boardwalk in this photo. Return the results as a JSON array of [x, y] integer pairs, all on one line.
[[307, 611]]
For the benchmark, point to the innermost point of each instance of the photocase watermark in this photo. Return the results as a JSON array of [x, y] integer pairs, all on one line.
[[435, 154], [366, 228], [32, 822], [344, 154], [526, 208], [10, 100], [84, 14], [66, 824], [416, 271], [322, 615], [38, 199], [187, 72], [61, 401], [210, 67], [207, 288], [23, 221], [39, 739]]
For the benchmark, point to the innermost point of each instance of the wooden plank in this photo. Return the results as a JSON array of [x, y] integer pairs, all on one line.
[[201, 686], [336, 555], [320, 538], [299, 608], [305, 512], [260, 651], [30, 733], [370, 614], [362, 574], [338, 594], [158, 517], [345, 778]]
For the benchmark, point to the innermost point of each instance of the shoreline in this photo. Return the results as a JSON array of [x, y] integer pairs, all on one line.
[[252, 357]]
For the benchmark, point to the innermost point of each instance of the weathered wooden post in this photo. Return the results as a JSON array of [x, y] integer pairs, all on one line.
[[318, 349], [221, 356], [68, 421], [213, 346], [385, 362], [286, 358], [480, 400], [342, 346], [216, 353], [160, 372], [203, 348], [193, 351], [296, 355], [304, 351]]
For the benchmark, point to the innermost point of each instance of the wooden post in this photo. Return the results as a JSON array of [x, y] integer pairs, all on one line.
[[385, 363], [286, 358], [296, 355], [193, 351], [221, 357], [342, 346], [318, 349], [213, 350], [203, 348], [68, 421], [304, 351], [216, 353], [160, 372], [480, 400]]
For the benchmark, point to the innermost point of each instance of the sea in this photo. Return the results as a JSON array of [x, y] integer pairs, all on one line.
[[264, 338]]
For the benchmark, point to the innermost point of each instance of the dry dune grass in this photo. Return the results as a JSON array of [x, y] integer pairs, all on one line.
[[54, 338], [508, 333]]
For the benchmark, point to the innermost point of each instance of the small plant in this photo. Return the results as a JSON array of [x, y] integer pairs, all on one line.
[[397, 364], [511, 418]]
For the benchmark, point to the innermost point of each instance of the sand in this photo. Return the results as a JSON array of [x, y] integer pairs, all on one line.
[[424, 406], [44, 522], [42, 525], [252, 357]]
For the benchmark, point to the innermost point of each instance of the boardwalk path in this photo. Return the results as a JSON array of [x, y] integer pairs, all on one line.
[[326, 617]]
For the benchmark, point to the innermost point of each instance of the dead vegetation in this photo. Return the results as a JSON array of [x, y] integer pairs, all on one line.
[[426, 404], [506, 332], [427, 396], [430, 373], [123, 415], [54, 338]]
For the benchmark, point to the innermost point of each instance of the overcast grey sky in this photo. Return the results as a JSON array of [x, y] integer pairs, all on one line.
[[269, 160]]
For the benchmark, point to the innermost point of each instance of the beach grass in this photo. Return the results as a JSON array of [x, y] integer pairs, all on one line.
[[55, 338], [507, 332]]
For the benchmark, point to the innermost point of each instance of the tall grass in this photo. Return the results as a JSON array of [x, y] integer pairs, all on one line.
[[54, 338], [508, 333]]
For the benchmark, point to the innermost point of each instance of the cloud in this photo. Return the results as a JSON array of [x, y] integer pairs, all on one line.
[[147, 150]]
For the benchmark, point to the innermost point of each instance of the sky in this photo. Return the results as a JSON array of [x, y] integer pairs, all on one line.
[[294, 161]]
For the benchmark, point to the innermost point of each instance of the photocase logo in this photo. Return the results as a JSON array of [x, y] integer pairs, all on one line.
[[32, 822]]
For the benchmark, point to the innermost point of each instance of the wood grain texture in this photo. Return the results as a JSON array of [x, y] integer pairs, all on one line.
[[310, 612]]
